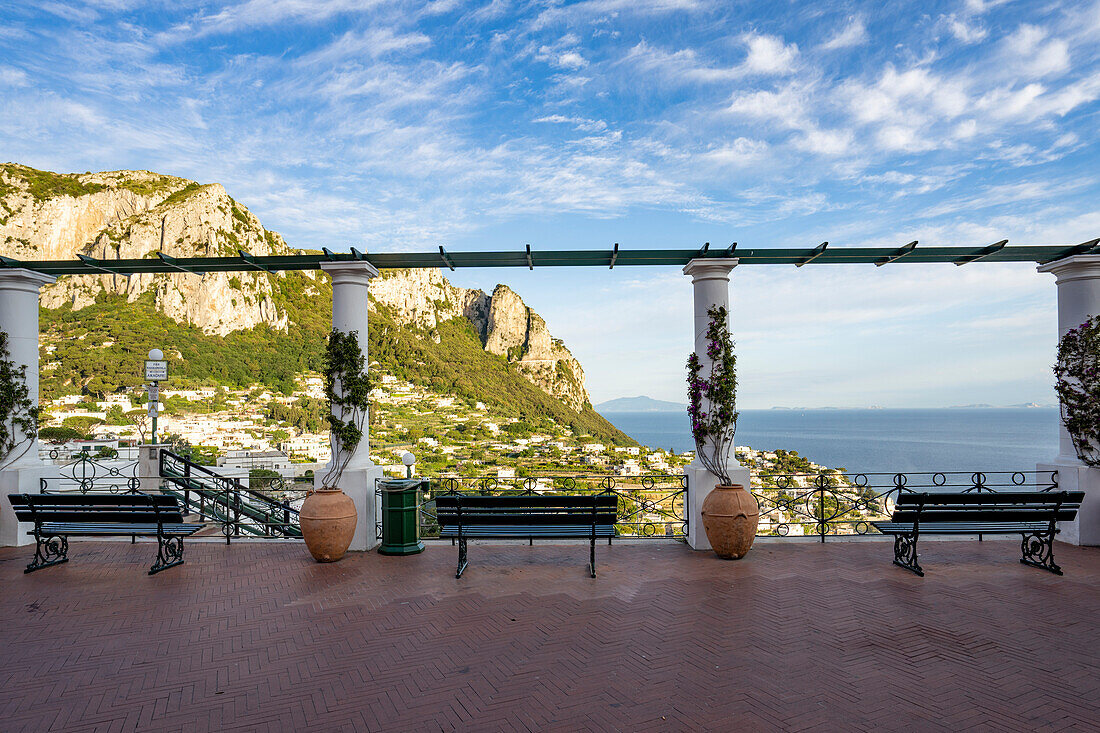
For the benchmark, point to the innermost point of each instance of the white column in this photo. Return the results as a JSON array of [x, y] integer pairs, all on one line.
[[350, 284], [1078, 282], [710, 278], [22, 472]]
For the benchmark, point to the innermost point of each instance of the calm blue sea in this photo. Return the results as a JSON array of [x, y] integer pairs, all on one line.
[[958, 439]]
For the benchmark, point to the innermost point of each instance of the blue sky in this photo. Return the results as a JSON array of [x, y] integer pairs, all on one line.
[[652, 123]]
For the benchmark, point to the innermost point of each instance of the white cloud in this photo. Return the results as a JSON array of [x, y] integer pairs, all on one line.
[[824, 142], [259, 13], [765, 56], [964, 30], [853, 34], [768, 55], [742, 151], [13, 77], [580, 123], [1029, 51], [362, 45]]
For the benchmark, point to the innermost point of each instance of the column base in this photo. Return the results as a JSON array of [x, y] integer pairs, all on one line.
[[700, 483], [20, 480], [360, 483], [1075, 476]]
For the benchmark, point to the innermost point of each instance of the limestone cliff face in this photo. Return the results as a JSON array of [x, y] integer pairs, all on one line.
[[135, 214], [506, 325]]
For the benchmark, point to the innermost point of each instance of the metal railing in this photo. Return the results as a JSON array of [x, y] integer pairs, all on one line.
[[239, 510], [833, 503], [650, 506], [91, 474]]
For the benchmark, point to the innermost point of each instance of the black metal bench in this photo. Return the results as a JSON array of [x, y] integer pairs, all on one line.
[[1034, 515], [528, 517], [57, 517]]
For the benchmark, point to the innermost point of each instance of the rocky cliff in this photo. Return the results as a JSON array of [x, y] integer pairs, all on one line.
[[135, 214], [506, 325]]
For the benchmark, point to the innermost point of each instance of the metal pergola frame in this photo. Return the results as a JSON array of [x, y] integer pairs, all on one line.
[[820, 254]]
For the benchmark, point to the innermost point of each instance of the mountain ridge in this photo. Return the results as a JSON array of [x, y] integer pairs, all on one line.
[[136, 214]]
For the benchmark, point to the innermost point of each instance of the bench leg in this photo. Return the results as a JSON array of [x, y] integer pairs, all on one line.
[[461, 558], [169, 553], [592, 558], [1038, 549], [905, 553], [49, 550]]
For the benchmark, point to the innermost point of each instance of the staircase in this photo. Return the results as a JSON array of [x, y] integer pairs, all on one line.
[[239, 510]]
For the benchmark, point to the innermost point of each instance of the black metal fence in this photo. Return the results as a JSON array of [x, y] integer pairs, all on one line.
[[833, 503], [90, 474]]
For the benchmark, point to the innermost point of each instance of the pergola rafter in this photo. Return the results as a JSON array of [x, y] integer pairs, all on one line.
[[617, 257]]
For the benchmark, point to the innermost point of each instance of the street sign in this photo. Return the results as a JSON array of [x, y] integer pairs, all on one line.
[[154, 391], [153, 409], [155, 371]]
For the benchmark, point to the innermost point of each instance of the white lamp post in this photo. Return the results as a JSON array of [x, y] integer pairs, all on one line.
[[409, 460]]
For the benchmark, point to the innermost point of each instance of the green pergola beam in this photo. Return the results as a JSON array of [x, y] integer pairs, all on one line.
[[85, 265], [982, 253]]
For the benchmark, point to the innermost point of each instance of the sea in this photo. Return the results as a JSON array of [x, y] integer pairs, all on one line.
[[878, 440]]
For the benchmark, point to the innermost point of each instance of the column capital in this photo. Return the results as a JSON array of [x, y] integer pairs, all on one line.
[[1078, 267], [20, 278], [710, 268], [350, 272]]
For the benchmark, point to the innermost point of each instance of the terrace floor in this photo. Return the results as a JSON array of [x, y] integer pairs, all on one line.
[[797, 636]]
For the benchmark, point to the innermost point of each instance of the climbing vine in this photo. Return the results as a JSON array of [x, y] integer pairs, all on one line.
[[18, 415], [347, 388], [712, 399], [1077, 374]]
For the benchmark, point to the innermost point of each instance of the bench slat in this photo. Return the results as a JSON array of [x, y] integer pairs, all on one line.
[[97, 499], [979, 514], [117, 508], [535, 520], [530, 500], [525, 532], [962, 527], [1008, 497], [98, 529]]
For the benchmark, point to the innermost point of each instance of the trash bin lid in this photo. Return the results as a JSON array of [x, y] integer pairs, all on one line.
[[399, 484]]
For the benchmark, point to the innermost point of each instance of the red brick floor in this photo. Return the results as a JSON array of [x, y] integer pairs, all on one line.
[[797, 636]]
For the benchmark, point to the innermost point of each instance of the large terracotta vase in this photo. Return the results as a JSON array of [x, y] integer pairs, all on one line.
[[730, 517], [328, 524]]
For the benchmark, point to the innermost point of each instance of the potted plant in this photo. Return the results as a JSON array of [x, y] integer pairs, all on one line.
[[1077, 372], [18, 415], [328, 515], [730, 512]]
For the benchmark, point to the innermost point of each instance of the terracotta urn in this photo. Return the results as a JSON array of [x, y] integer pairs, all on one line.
[[328, 523], [730, 517]]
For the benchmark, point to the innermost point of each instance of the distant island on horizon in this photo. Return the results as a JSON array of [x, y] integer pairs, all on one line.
[[642, 403]]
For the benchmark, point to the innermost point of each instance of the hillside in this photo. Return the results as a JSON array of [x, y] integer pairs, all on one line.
[[239, 329]]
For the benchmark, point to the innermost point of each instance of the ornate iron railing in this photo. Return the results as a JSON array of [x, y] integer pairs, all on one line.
[[650, 506], [89, 474], [834, 503], [238, 509]]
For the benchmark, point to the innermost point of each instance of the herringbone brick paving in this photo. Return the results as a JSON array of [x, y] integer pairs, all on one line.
[[799, 637]]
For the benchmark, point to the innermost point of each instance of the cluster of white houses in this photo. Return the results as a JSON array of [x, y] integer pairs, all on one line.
[[1078, 284]]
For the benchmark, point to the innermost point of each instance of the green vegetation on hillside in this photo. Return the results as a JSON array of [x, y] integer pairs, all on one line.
[[457, 365], [258, 356], [43, 185]]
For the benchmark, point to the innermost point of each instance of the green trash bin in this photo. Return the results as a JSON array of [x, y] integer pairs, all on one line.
[[400, 516]]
